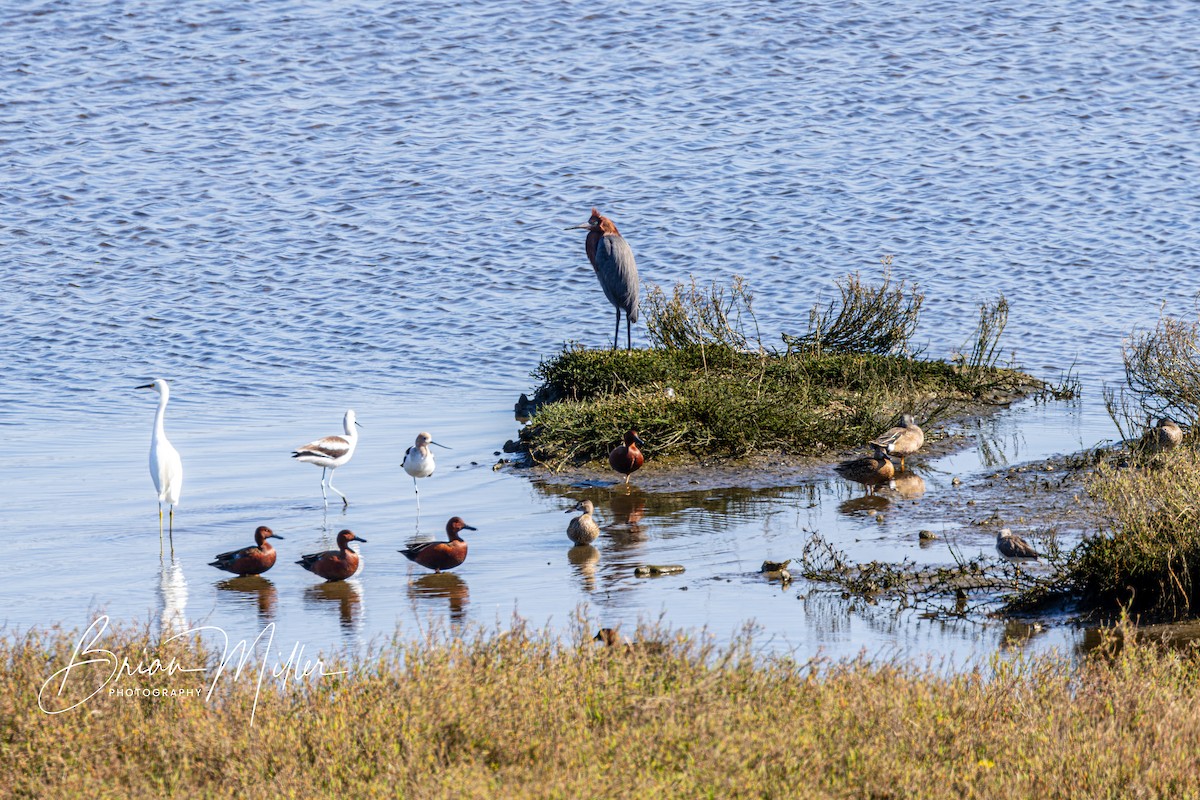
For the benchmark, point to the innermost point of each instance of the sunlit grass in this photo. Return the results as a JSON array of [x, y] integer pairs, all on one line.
[[718, 401], [526, 714]]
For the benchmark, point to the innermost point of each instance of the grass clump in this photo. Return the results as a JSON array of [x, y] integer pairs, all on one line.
[[867, 319], [721, 402], [709, 389], [516, 713], [1146, 557]]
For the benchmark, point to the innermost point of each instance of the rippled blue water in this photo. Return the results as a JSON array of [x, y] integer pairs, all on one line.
[[291, 208]]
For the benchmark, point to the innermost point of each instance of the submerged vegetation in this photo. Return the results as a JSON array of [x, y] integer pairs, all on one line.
[[710, 387], [517, 713]]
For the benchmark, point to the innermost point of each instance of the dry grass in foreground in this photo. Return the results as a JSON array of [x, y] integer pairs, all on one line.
[[516, 714]]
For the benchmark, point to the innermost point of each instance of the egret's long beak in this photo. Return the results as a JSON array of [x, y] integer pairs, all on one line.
[[586, 225], [147, 386]]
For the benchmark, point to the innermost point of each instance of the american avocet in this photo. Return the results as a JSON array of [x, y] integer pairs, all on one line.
[[583, 529], [438, 556], [334, 565], [1165, 435], [903, 440], [330, 453], [612, 261], [1009, 545], [253, 560], [870, 471], [418, 461], [166, 467], [626, 458]]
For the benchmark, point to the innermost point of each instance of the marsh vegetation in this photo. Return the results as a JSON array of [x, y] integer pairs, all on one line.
[[524, 713], [710, 387]]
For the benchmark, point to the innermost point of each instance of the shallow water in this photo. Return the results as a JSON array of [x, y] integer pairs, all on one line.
[[295, 208]]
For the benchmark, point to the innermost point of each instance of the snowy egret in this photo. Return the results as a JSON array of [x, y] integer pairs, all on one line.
[[438, 556], [330, 453], [253, 560], [166, 467], [418, 461], [334, 565]]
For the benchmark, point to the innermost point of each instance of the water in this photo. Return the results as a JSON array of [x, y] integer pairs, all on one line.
[[295, 208]]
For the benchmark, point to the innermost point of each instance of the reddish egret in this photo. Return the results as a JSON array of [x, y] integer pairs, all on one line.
[[612, 259], [253, 560], [166, 468], [438, 556], [330, 453], [334, 565]]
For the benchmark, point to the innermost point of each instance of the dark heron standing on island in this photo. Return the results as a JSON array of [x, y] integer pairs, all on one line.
[[612, 259]]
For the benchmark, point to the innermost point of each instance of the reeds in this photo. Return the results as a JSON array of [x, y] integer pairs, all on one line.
[[695, 316], [876, 319], [1146, 557], [520, 713]]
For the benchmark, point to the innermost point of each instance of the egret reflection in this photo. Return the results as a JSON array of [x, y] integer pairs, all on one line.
[[172, 596]]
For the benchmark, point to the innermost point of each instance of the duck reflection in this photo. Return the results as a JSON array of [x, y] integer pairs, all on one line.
[[253, 588], [909, 485], [863, 504], [625, 512], [346, 594], [446, 585], [172, 596], [584, 558]]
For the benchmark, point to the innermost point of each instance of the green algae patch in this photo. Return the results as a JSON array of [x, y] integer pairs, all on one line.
[[717, 401]]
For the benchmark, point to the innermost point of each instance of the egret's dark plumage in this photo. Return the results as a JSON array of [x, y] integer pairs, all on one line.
[[613, 261]]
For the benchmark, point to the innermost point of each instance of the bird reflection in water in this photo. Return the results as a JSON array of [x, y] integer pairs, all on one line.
[[445, 585], [909, 485], [584, 558], [346, 594], [255, 589], [863, 504], [625, 512], [172, 596]]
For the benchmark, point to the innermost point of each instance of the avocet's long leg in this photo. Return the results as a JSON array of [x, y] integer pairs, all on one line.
[[334, 489]]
